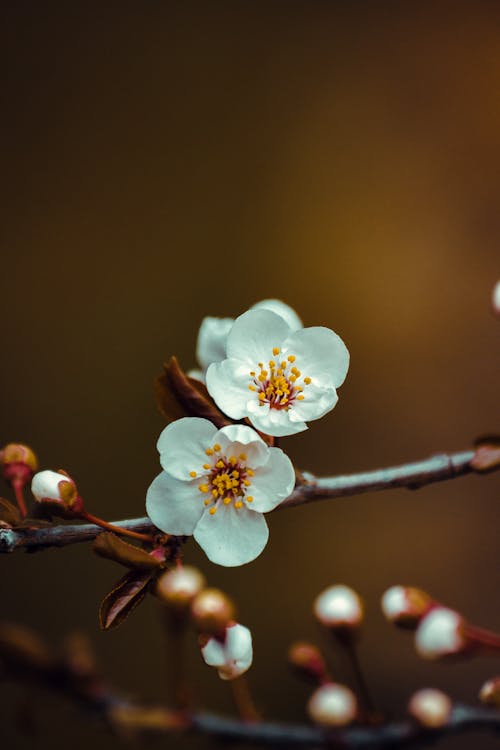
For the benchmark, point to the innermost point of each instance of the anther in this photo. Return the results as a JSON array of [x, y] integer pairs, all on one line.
[[207, 466], [203, 487], [209, 452], [192, 473], [276, 350], [212, 511], [307, 381], [291, 358], [243, 456], [216, 447], [220, 464], [238, 504], [249, 499]]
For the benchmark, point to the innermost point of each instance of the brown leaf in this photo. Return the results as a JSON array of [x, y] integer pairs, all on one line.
[[124, 598], [22, 650], [111, 547], [487, 454], [9, 512], [177, 396]]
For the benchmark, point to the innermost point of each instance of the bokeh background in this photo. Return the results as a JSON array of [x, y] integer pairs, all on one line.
[[162, 161]]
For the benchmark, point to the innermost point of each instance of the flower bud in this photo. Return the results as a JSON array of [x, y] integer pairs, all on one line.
[[490, 692], [405, 605], [430, 707], [495, 298], [212, 611], [441, 633], [339, 608], [18, 463], [55, 487], [232, 655], [332, 705], [308, 662], [179, 586]]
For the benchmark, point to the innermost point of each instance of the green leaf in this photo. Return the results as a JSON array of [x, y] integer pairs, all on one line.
[[178, 396], [111, 547], [124, 598]]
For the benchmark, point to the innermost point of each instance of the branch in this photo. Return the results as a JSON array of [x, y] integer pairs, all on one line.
[[412, 475]]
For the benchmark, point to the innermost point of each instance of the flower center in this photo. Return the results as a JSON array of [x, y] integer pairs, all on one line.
[[226, 480], [278, 385]]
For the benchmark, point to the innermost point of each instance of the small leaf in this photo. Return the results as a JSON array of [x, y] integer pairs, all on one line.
[[111, 547], [9, 512], [178, 395], [487, 454], [22, 650], [124, 598]]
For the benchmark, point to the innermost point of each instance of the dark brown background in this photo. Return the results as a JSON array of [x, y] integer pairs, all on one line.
[[166, 160]]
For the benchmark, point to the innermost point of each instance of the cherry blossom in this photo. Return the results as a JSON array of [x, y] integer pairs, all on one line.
[[216, 485], [233, 656], [278, 377]]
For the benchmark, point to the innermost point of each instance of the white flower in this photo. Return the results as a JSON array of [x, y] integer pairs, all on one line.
[[277, 377], [233, 657], [440, 633], [430, 707], [215, 485], [213, 333]]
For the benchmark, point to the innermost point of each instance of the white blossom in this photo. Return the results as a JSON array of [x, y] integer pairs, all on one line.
[[277, 377], [216, 485], [430, 707], [233, 656], [54, 486], [332, 705], [339, 606], [440, 633]]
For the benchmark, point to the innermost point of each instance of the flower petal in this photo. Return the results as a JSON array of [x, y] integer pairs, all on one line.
[[212, 337], [236, 439], [182, 446], [283, 310], [254, 335], [234, 656], [227, 382], [320, 354], [317, 402], [233, 536], [273, 482], [277, 422], [174, 506]]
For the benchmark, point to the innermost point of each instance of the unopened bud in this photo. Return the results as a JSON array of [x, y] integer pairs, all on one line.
[[308, 662], [179, 586], [18, 463], [405, 605], [332, 705], [55, 487], [441, 633], [339, 608], [495, 298], [430, 707], [232, 655], [212, 610], [490, 692]]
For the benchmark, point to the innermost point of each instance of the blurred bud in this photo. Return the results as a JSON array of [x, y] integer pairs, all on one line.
[[232, 655], [179, 586], [339, 608], [308, 662], [495, 298], [490, 692], [212, 611], [332, 705], [441, 633], [18, 463], [430, 707], [405, 605], [55, 487]]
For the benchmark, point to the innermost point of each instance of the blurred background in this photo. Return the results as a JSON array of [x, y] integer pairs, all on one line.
[[163, 161]]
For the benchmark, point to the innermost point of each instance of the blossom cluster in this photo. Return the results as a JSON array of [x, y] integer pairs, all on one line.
[[269, 376]]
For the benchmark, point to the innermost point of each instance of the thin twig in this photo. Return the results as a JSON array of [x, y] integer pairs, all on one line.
[[412, 475]]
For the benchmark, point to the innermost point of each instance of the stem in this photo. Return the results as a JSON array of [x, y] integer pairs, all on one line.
[[484, 638], [179, 693], [117, 529], [18, 490], [243, 700], [361, 684]]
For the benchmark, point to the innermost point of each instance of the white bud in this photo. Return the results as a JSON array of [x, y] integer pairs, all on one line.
[[332, 705], [440, 633], [495, 298], [490, 692], [54, 486], [405, 605], [430, 707], [233, 656], [339, 606], [179, 586]]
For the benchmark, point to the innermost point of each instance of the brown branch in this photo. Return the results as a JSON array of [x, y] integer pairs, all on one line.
[[412, 475]]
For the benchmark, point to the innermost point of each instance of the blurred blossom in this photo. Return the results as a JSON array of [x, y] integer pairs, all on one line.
[[232, 656]]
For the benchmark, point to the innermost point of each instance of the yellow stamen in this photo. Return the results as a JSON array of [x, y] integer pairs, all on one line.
[[272, 363], [249, 499], [291, 358], [283, 365], [207, 501], [233, 460], [246, 483], [209, 452], [307, 381], [252, 373], [220, 464], [212, 511], [252, 387], [262, 396], [215, 493], [206, 466], [243, 456], [300, 398], [216, 447], [250, 472], [192, 473], [235, 474], [238, 504], [276, 350], [203, 487], [228, 500]]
